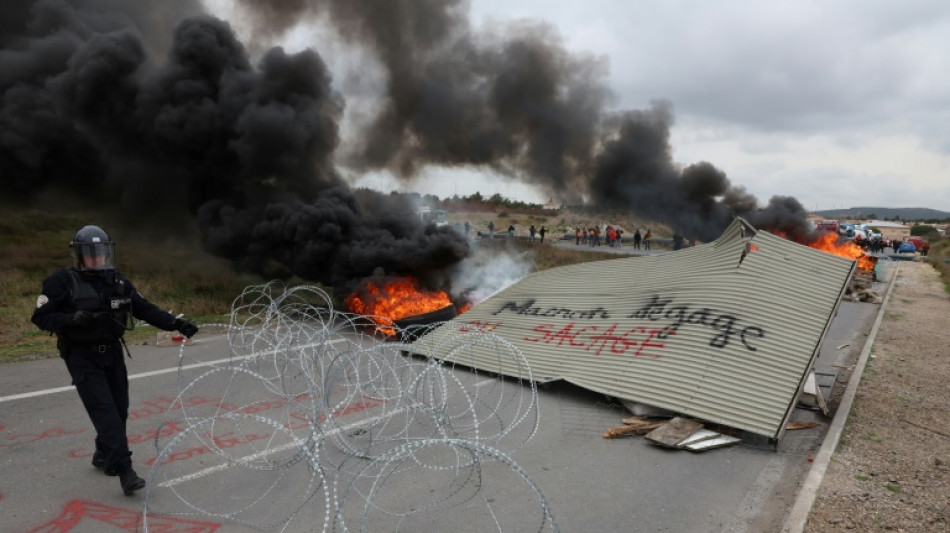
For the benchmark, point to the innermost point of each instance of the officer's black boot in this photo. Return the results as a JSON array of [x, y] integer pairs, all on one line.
[[99, 460], [130, 481]]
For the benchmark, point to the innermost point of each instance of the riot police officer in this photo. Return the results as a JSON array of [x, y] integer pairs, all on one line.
[[89, 307]]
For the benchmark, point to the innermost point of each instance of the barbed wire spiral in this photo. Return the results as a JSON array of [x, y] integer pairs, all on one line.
[[320, 423]]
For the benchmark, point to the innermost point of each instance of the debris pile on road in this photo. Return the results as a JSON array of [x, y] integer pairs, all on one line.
[[679, 433], [683, 433], [634, 425], [859, 290]]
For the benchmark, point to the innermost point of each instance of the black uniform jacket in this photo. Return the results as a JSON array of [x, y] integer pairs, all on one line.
[[109, 295]]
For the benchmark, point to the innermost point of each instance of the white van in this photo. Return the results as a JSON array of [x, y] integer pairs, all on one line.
[[431, 215]]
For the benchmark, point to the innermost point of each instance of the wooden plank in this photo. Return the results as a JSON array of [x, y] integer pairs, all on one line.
[[631, 429], [673, 432], [802, 425], [811, 389]]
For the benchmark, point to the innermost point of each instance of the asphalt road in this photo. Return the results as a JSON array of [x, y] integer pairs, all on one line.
[[565, 478]]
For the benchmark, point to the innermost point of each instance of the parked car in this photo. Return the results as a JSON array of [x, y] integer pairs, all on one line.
[[827, 225], [906, 247]]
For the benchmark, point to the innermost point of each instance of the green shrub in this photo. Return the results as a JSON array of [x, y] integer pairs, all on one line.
[[919, 230]]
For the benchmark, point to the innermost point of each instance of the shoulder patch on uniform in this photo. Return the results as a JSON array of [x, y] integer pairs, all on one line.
[[41, 301]]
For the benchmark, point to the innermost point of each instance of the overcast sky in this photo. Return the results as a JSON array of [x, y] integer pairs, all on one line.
[[836, 103]]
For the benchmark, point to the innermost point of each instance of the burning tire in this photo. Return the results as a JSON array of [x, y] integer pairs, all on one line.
[[412, 327]]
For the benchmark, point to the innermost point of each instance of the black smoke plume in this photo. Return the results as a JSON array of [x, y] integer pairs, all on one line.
[[515, 100], [246, 149], [156, 107], [635, 170]]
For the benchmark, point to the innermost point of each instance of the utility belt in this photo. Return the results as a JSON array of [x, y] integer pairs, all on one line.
[[98, 347]]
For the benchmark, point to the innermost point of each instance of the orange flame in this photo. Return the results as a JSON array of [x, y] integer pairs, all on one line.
[[394, 299], [828, 242]]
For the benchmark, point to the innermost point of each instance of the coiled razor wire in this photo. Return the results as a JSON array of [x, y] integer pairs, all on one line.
[[321, 423]]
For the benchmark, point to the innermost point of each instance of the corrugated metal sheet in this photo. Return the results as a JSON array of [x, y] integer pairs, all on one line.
[[724, 332]]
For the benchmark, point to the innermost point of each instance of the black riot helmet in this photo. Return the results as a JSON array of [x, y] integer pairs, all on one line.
[[93, 250]]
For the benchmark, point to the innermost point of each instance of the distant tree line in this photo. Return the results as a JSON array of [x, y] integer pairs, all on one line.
[[920, 230], [895, 214], [495, 200]]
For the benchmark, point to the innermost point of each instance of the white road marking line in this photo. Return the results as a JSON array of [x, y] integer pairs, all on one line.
[[56, 390], [264, 453]]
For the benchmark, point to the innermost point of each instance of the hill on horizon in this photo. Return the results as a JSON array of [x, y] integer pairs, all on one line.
[[881, 213]]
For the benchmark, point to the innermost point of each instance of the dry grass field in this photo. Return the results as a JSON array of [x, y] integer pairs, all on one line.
[[169, 270]]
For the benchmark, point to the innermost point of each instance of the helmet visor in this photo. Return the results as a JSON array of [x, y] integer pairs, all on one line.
[[95, 255]]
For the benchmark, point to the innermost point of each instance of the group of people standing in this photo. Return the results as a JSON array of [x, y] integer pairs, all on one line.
[[878, 245], [593, 235], [612, 236], [539, 232], [646, 238], [511, 231]]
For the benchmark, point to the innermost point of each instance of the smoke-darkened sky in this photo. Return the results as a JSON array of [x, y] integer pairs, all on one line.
[[433, 89], [837, 104], [259, 117]]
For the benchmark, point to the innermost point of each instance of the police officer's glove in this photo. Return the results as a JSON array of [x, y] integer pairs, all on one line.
[[185, 328], [80, 318]]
